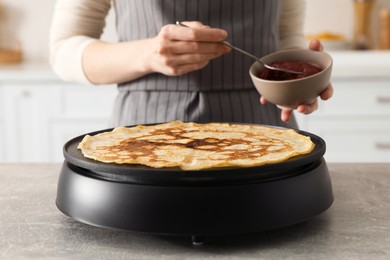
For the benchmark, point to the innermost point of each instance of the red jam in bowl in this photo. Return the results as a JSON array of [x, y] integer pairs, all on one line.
[[307, 69]]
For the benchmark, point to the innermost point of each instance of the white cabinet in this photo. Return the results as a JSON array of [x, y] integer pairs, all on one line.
[[82, 110], [37, 116], [27, 108], [355, 123]]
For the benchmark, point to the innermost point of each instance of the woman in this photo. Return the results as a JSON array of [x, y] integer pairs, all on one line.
[[167, 72]]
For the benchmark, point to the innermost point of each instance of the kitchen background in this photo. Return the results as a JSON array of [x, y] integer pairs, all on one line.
[[38, 112], [28, 22]]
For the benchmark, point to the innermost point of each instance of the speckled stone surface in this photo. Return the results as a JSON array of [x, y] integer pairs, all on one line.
[[357, 226]]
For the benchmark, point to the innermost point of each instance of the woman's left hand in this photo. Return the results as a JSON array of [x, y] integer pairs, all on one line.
[[306, 108]]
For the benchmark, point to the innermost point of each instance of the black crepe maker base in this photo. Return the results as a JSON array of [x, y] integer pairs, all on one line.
[[220, 202]]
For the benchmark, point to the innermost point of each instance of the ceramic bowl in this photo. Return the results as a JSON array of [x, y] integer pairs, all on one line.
[[291, 93]]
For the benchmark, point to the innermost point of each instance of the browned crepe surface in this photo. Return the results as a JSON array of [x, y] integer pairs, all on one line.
[[193, 146]]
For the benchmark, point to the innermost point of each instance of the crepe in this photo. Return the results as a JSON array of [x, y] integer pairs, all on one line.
[[193, 146]]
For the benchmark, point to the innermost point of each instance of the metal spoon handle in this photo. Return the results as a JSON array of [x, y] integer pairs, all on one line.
[[242, 51], [258, 60], [230, 46]]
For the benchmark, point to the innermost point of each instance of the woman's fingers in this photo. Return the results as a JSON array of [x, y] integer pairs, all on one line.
[[182, 47], [263, 100], [308, 108], [316, 45], [199, 34], [327, 93], [177, 50], [286, 114]]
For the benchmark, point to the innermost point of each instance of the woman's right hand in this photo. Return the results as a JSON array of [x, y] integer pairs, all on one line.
[[178, 50], [175, 51]]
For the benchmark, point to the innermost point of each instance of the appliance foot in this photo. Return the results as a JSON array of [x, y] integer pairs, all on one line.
[[197, 240]]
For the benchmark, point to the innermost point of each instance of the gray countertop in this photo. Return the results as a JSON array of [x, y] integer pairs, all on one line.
[[357, 226]]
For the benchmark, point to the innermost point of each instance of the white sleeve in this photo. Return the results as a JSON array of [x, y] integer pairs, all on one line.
[[76, 23], [291, 24]]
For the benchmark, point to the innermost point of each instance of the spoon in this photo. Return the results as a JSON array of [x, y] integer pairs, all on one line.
[[251, 56]]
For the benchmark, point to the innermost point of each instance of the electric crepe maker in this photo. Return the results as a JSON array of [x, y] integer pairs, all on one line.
[[198, 204]]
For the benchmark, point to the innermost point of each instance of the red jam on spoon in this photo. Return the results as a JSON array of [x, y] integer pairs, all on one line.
[[307, 69]]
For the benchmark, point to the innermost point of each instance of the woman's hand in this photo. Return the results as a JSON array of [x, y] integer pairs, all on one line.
[[178, 50], [306, 108]]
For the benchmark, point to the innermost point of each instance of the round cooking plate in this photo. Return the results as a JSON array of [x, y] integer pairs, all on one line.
[[172, 176]]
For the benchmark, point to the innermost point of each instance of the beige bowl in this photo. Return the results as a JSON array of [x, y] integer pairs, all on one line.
[[291, 93]]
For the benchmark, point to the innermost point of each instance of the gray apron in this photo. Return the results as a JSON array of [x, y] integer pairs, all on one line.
[[220, 92]]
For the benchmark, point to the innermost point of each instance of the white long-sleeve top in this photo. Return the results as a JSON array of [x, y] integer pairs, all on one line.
[[77, 23]]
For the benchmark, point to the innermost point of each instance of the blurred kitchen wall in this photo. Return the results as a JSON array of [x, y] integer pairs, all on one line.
[[338, 16], [28, 22], [330, 15]]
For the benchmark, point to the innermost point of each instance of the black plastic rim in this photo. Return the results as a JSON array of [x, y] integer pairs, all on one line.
[[172, 176], [195, 210]]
